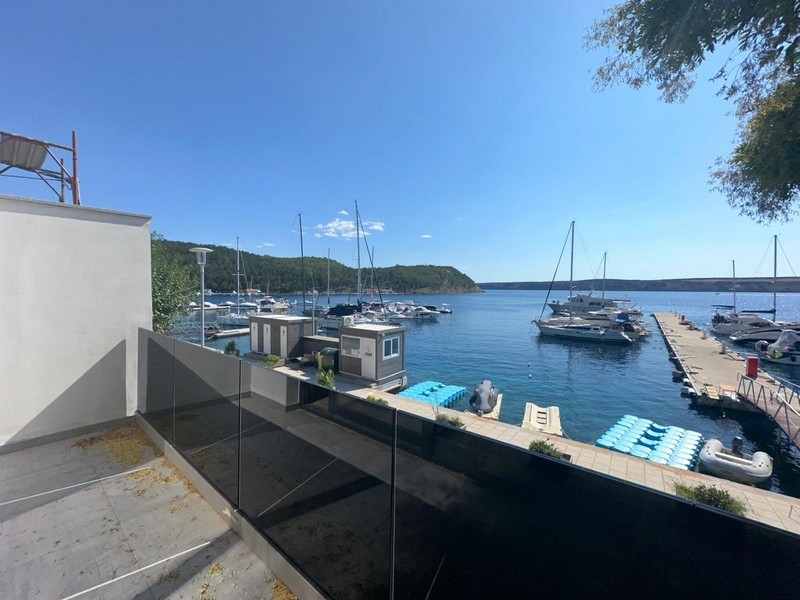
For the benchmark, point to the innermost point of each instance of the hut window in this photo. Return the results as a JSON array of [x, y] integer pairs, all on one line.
[[391, 347], [351, 346]]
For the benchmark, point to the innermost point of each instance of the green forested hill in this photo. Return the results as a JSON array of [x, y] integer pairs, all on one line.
[[284, 275]]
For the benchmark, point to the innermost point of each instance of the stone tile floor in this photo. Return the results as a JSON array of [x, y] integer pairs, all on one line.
[[106, 516]]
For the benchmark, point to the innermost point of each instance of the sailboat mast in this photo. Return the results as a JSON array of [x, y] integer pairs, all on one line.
[[302, 262], [733, 263], [238, 279], [571, 257], [358, 254], [775, 279], [604, 274], [329, 276]]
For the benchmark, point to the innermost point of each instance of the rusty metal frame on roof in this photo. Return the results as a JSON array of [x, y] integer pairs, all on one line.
[[29, 154]]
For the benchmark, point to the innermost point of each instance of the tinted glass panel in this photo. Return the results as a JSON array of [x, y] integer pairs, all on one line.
[[321, 490], [207, 414], [156, 401]]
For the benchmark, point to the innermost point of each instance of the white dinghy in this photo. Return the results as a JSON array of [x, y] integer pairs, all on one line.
[[731, 463]]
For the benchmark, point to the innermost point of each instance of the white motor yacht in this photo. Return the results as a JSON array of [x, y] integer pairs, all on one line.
[[738, 322]]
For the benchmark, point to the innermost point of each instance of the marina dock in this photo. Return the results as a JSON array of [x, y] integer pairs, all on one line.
[[710, 365]]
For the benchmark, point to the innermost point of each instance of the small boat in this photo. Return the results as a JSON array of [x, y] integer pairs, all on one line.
[[582, 331], [223, 333], [784, 351], [757, 334], [731, 463], [484, 398]]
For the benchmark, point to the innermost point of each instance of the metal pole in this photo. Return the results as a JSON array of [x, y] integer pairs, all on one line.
[[203, 306], [775, 279], [76, 188]]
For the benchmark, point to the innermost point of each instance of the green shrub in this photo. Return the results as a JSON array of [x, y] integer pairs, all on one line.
[[545, 447], [376, 400], [271, 358], [231, 349], [326, 378], [712, 496], [454, 421]]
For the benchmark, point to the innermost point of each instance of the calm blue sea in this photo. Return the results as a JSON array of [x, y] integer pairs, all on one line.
[[490, 336]]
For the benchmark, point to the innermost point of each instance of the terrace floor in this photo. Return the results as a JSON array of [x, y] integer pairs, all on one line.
[[106, 516]]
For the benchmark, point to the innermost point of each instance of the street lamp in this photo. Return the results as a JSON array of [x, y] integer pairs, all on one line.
[[201, 260]]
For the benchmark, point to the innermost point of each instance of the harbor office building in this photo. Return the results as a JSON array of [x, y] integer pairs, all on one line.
[[372, 355]]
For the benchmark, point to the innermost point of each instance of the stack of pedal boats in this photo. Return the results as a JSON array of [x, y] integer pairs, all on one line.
[[662, 444]]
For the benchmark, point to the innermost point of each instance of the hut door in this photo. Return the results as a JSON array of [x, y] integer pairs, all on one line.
[[368, 358], [266, 340], [284, 341]]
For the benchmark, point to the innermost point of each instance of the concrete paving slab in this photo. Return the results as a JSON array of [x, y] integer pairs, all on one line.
[[142, 534]]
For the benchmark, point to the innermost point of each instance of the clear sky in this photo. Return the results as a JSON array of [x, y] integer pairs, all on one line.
[[468, 131]]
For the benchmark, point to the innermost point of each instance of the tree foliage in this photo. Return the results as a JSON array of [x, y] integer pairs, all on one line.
[[174, 284], [663, 42], [287, 276]]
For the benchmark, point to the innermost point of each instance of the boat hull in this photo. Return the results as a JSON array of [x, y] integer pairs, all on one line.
[[714, 458], [581, 332]]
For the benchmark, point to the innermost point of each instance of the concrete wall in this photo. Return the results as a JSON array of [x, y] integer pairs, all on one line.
[[74, 288]]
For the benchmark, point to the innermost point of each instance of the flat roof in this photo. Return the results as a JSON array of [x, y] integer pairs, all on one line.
[[106, 515]]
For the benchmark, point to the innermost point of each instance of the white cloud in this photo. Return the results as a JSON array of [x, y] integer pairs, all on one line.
[[426, 236], [342, 228], [229, 245], [344, 213], [338, 228], [265, 245]]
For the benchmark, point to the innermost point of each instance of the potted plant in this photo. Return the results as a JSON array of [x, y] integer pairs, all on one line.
[[453, 421], [326, 378], [376, 400], [548, 449], [272, 361], [711, 496]]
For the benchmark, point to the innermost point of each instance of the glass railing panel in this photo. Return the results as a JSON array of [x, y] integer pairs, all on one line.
[[156, 399], [320, 489], [207, 414], [477, 518]]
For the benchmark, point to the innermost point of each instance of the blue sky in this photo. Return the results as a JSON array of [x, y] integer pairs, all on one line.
[[468, 132]]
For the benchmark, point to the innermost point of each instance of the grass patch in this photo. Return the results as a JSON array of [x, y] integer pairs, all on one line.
[[711, 496]]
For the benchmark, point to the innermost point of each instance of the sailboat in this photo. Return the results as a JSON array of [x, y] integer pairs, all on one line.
[[748, 326], [348, 314], [578, 329], [238, 318], [734, 322]]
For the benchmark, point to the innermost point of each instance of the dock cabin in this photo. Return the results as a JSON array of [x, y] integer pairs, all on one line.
[[281, 335], [375, 353]]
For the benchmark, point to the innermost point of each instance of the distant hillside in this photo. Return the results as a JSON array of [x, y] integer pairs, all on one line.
[[286, 276], [702, 284]]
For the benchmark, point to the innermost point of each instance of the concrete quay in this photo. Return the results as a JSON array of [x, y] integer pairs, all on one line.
[[707, 362]]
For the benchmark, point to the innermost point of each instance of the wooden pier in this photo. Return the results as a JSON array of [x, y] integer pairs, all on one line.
[[709, 364]]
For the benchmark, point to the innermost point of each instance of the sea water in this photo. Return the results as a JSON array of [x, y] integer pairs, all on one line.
[[490, 335]]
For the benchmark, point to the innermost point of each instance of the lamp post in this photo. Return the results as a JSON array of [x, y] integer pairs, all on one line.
[[201, 260]]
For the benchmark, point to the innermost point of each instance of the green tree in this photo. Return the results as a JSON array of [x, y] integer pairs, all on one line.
[[663, 42], [174, 284]]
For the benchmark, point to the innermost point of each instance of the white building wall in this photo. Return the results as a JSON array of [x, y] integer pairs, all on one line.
[[74, 289]]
